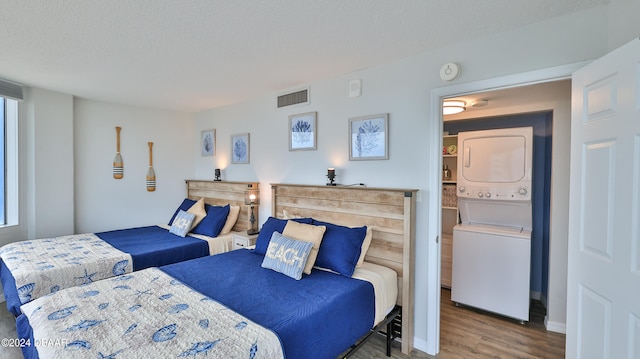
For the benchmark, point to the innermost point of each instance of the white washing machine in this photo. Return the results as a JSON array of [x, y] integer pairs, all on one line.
[[491, 269], [491, 260]]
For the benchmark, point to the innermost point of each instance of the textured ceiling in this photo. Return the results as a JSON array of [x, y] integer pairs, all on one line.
[[192, 55]]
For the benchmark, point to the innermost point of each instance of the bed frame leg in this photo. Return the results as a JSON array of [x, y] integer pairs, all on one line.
[[389, 338], [388, 322]]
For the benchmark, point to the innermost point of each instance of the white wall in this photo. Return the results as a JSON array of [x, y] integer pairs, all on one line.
[[104, 203], [50, 173], [401, 89], [45, 181]]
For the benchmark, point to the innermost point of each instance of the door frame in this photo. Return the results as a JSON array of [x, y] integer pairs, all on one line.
[[435, 129]]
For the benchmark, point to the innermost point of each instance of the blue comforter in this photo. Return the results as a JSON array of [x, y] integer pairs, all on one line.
[[319, 316], [154, 246], [150, 246]]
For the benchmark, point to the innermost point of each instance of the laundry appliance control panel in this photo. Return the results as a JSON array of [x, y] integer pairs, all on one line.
[[504, 193]]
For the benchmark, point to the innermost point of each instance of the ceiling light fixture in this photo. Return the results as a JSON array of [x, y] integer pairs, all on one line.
[[452, 107], [480, 103]]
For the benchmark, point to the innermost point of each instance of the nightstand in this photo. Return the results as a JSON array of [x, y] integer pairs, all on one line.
[[243, 240]]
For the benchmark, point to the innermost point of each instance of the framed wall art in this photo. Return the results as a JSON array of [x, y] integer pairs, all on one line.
[[208, 142], [369, 137], [240, 148], [302, 131]]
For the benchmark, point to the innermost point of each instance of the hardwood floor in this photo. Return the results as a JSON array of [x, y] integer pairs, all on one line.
[[470, 333], [464, 333]]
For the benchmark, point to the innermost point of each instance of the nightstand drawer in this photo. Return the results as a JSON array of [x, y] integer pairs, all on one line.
[[244, 241]]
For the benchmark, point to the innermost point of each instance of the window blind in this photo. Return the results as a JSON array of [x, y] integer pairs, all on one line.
[[11, 90]]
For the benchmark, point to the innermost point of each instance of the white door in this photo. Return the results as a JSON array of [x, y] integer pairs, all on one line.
[[603, 294]]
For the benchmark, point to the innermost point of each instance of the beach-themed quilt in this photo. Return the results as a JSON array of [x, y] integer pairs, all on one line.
[[61, 262], [146, 314]]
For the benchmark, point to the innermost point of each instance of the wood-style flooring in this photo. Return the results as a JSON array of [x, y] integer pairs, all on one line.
[[464, 333], [470, 333]]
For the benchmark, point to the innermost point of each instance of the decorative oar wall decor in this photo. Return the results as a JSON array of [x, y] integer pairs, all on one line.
[[151, 175], [118, 169]]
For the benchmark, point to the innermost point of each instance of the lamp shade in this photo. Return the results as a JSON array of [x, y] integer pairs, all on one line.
[[252, 197]]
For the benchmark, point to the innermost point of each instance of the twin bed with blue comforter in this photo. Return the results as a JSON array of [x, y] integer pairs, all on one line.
[[34, 268], [31, 269]]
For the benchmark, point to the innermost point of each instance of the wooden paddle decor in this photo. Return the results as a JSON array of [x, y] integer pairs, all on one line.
[[151, 175], [118, 168]]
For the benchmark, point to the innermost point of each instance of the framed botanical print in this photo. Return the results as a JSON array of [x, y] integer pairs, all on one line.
[[302, 131], [369, 137], [240, 148], [208, 143]]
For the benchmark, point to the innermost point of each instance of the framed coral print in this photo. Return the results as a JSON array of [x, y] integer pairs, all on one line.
[[302, 131], [369, 137], [208, 142], [240, 148]]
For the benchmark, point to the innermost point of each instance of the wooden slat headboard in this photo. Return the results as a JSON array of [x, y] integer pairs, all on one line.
[[219, 193], [391, 214]]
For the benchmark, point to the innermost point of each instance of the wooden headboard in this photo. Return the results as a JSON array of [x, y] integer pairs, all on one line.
[[391, 214], [219, 193]]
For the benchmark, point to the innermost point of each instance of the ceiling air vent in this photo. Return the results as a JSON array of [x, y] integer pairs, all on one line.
[[294, 98]]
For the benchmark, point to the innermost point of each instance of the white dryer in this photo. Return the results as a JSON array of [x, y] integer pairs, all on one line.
[[492, 244]]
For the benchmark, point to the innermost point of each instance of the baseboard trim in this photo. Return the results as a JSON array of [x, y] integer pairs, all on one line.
[[555, 326]]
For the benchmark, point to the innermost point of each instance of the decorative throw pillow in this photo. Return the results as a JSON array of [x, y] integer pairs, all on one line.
[[365, 245], [273, 225], [286, 255], [198, 210], [307, 233], [232, 218], [341, 248], [213, 222], [184, 206], [182, 223]]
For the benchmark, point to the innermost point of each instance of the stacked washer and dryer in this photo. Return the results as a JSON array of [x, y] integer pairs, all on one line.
[[492, 244]]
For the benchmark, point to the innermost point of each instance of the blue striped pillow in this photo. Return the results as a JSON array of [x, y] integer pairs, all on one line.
[[286, 255], [182, 223]]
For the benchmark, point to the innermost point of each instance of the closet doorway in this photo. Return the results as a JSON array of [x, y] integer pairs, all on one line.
[[553, 99]]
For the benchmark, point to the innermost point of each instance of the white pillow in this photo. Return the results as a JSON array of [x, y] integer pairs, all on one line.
[[232, 218], [365, 245]]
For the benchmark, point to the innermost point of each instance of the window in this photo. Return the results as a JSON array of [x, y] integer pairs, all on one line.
[[9, 162], [3, 218], [9, 196], [10, 94]]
